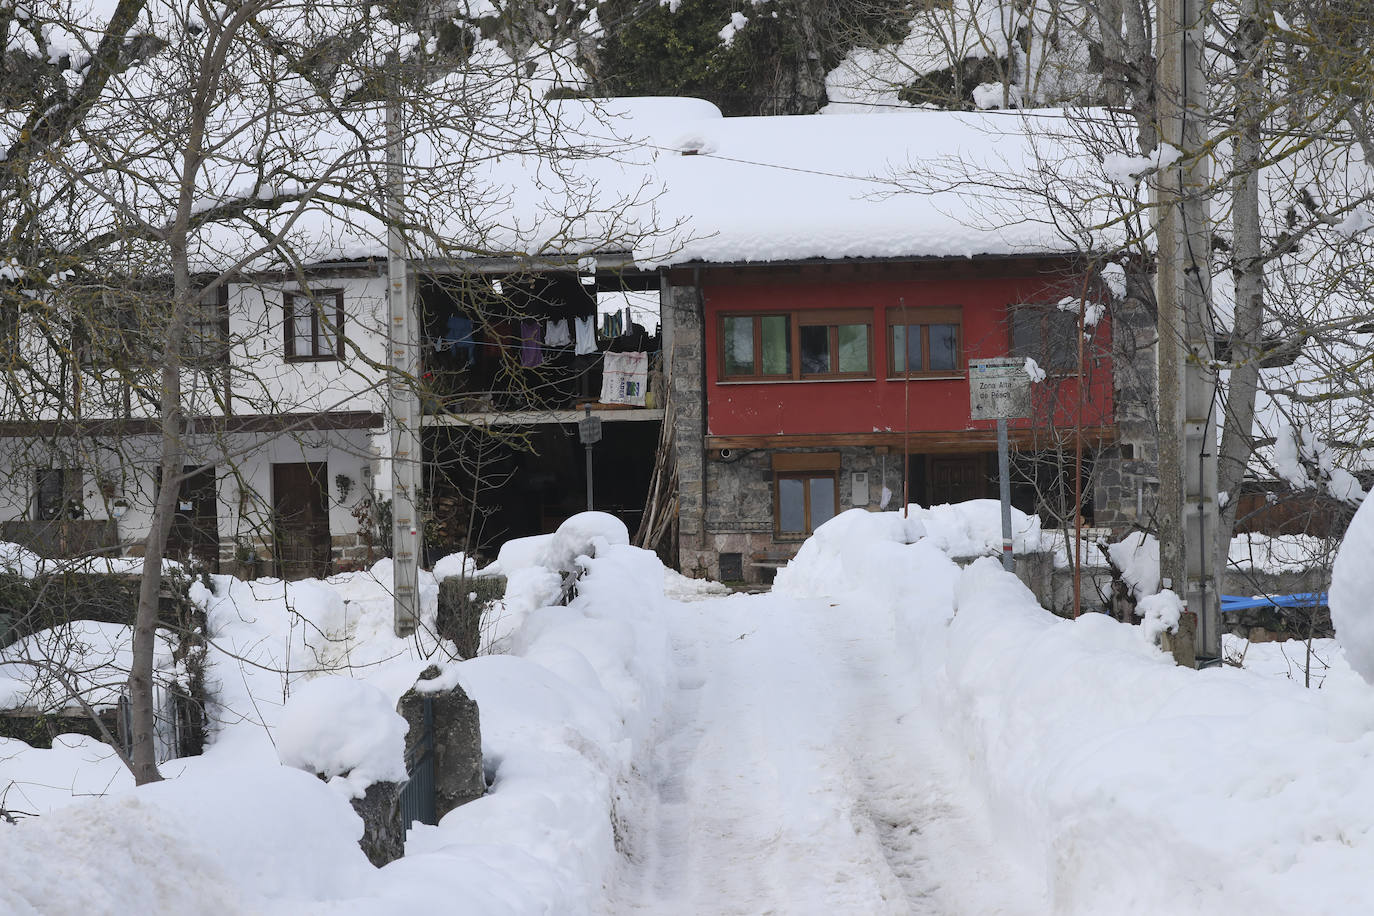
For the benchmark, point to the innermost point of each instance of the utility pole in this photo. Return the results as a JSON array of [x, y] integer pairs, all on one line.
[[403, 357], [1187, 508]]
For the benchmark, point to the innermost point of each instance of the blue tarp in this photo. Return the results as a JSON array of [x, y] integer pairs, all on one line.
[[1231, 603]]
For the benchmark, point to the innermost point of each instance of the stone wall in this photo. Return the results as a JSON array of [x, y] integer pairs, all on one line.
[[1126, 475], [683, 336], [739, 503]]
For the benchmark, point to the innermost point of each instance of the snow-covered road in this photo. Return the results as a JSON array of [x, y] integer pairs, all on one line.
[[795, 774]]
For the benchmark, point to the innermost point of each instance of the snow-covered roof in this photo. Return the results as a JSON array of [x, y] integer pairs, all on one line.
[[673, 181]]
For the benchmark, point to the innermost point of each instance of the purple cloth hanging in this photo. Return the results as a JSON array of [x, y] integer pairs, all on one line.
[[531, 353]]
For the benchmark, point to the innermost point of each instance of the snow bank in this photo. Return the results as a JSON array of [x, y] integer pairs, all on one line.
[[856, 539], [1351, 596], [1095, 754], [563, 718], [260, 840]]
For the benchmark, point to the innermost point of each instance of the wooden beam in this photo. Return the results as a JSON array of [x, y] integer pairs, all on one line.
[[944, 441]]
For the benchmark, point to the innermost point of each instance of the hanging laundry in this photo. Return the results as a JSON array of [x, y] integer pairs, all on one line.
[[625, 378], [556, 333], [458, 336], [586, 336], [531, 353]]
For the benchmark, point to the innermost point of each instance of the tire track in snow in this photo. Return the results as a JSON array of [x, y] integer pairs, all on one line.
[[768, 820]]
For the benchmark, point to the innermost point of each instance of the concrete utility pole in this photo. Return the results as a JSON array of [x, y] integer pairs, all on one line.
[[1187, 508], [403, 403]]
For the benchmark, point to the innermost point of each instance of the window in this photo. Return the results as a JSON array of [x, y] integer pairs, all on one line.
[[57, 494], [805, 491], [1047, 334], [828, 344], [119, 329], [756, 346], [314, 325], [207, 331], [927, 341]]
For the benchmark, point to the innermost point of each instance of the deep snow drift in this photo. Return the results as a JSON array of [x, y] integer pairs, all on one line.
[[885, 733]]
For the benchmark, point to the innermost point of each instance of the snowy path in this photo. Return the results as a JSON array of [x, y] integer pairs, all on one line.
[[794, 775]]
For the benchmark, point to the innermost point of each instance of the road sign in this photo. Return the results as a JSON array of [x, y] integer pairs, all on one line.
[[589, 430], [999, 389]]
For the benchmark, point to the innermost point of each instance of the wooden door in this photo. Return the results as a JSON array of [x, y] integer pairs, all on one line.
[[956, 478], [195, 526], [301, 514]]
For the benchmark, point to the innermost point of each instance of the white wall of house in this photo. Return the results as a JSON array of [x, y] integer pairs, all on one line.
[[266, 381], [262, 378]]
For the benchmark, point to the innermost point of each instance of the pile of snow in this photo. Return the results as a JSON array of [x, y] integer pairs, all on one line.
[[455, 564], [1351, 595], [1159, 613], [16, 559], [582, 535], [343, 729], [1137, 556], [856, 538]]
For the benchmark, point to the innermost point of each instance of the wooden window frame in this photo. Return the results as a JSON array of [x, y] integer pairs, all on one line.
[[804, 466], [317, 299], [923, 317], [757, 375], [805, 477], [203, 351], [796, 320]]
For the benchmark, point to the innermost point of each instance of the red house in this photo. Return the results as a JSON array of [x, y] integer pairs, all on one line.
[[831, 385]]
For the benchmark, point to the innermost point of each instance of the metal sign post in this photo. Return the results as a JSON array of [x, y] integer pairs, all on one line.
[[999, 389], [589, 432]]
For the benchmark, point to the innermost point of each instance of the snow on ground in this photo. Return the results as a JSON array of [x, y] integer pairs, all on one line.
[[884, 733]]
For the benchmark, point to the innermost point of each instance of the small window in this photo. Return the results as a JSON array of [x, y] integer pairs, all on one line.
[[1047, 334], [313, 325], [805, 500], [805, 491], [925, 342], [756, 346], [207, 331], [119, 329], [57, 494]]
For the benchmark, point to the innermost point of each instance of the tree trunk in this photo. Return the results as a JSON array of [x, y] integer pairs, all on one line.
[[1239, 415]]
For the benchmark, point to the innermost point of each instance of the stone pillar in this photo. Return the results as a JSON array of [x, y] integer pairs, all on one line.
[[384, 835], [680, 309], [458, 774]]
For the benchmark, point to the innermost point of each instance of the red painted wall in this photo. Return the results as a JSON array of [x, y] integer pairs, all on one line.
[[881, 405]]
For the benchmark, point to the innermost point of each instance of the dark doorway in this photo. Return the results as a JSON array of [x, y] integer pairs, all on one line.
[[301, 516], [195, 527], [954, 478], [485, 490]]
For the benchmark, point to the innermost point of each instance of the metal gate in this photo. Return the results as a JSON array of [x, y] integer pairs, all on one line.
[[418, 795]]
